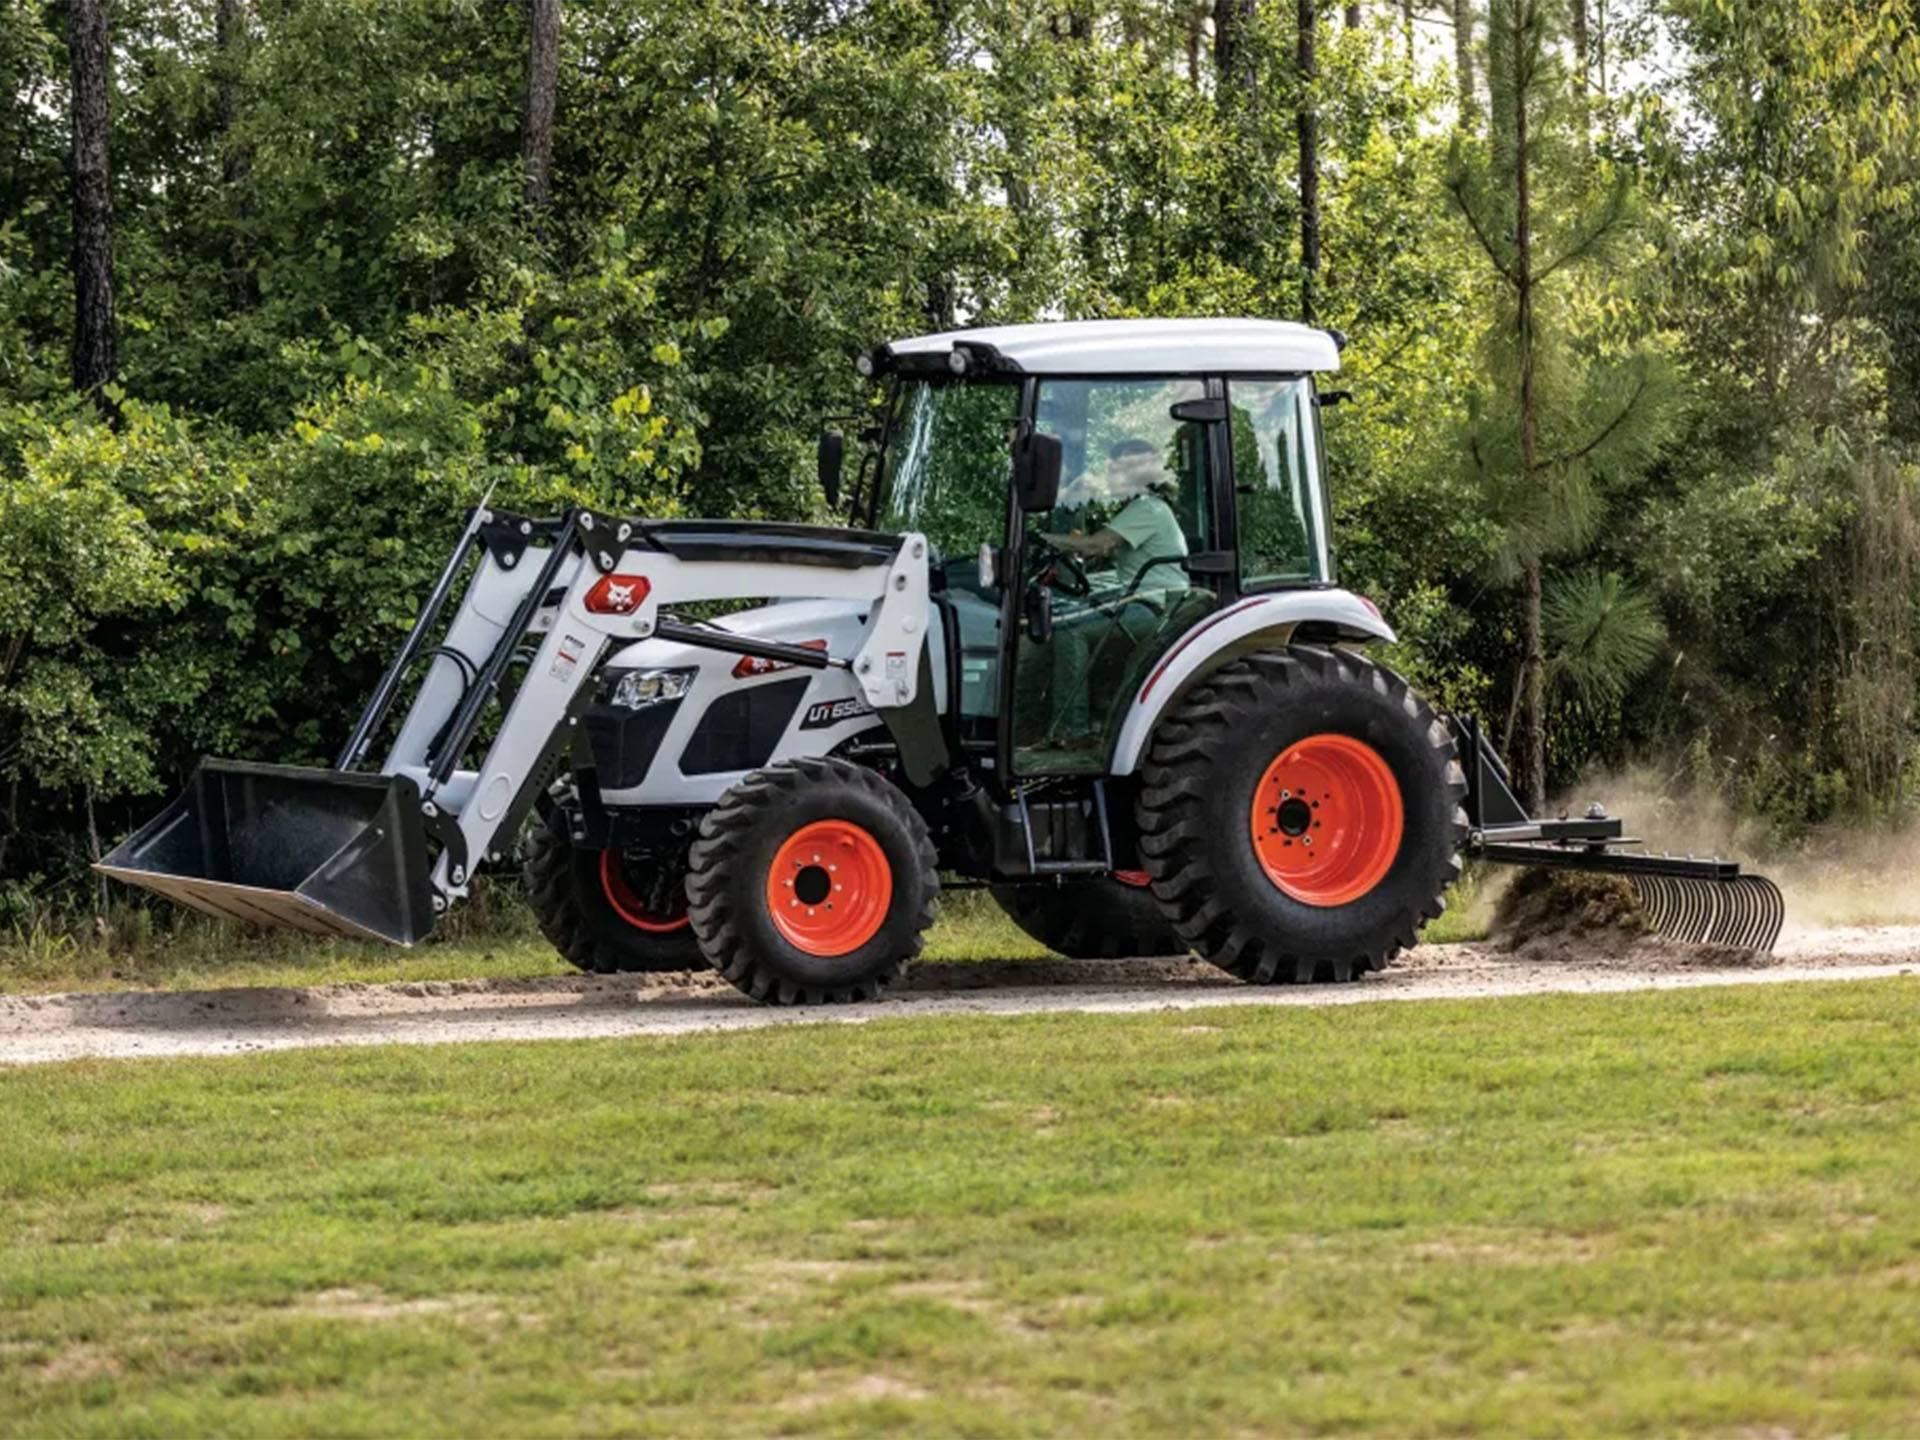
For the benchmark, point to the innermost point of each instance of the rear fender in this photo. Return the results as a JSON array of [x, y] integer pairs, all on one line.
[[1256, 622]]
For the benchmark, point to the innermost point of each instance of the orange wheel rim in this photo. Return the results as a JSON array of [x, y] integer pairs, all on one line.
[[1135, 879], [628, 903], [1327, 820], [829, 888]]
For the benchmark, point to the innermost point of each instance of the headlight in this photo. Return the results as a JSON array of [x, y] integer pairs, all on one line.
[[649, 687]]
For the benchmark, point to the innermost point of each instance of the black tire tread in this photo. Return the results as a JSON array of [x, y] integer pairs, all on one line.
[[723, 832], [1063, 919], [1174, 839], [553, 889]]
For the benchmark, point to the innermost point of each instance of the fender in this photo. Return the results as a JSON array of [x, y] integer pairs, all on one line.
[[1255, 622]]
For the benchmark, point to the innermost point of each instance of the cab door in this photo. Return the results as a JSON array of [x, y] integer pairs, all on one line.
[[1108, 575]]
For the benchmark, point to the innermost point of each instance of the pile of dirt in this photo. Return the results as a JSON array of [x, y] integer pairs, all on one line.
[[1578, 918]]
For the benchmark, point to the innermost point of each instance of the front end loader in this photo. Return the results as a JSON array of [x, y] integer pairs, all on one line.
[[1080, 644]]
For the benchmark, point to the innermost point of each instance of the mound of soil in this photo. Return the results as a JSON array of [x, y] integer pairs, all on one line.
[[1578, 918]]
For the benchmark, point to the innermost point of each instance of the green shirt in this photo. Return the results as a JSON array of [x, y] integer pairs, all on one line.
[[1147, 524]]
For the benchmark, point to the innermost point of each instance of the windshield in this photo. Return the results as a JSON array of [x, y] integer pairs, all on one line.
[[948, 462]]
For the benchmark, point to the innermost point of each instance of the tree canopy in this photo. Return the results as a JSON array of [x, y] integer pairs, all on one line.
[[1640, 431]]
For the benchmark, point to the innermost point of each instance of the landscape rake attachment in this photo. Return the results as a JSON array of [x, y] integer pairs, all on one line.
[[1701, 901]]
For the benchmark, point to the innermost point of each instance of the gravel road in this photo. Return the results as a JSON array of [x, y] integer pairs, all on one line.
[[127, 1024]]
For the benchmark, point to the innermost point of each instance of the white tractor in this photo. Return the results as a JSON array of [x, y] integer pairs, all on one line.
[[1082, 642]]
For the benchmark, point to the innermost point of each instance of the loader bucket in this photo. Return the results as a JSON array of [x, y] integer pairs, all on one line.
[[326, 851]]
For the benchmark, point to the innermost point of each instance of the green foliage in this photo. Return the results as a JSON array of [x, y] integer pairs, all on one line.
[[1604, 635], [339, 325]]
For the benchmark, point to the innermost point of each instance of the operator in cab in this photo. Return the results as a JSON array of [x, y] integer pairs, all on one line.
[[1144, 530], [1144, 544]]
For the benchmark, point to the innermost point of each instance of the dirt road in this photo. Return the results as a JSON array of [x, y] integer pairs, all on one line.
[[36, 1029]]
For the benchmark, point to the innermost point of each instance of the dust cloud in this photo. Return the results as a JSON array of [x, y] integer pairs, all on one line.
[[1837, 875]]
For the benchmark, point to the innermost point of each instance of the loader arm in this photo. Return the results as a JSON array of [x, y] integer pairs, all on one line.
[[348, 852], [603, 581]]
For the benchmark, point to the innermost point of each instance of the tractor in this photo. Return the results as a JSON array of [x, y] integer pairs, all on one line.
[[1081, 642]]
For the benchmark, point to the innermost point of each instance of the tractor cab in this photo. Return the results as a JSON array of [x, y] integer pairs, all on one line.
[[1190, 474]]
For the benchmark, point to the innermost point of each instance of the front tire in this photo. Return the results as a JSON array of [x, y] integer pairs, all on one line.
[[1273, 756], [1102, 917], [607, 914], [812, 882]]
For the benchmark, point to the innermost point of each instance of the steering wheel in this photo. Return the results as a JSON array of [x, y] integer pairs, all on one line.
[[1057, 568]]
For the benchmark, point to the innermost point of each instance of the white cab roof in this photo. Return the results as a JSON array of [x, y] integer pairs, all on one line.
[[1145, 347]]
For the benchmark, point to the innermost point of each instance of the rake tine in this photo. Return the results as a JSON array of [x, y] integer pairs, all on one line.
[[1770, 910], [1647, 887], [1713, 894], [1746, 911], [1724, 901], [1751, 902], [1745, 899]]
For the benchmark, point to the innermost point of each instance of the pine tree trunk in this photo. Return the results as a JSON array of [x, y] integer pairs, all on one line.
[[1245, 223], [543, 75], [1535, 722], [236, 158], [1581, 44], [1230, 21], [1535, 777], [1353, 17], [1463, 61], [1307, 126], [95, 364]]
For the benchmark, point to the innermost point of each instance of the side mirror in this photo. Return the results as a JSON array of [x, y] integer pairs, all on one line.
[[833, 449], [1036, 470]]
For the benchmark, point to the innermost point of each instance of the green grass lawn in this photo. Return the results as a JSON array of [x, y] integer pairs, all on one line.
[[1558, 1215]]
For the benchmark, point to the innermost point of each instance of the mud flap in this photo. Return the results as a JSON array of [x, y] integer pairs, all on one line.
[[325, 851]]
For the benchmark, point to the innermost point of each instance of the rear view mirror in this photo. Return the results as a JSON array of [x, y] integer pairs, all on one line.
[[1199, 412], [1036, 470], [833, 449]]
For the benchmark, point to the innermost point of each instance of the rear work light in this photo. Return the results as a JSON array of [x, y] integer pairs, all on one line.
[[617, 594]]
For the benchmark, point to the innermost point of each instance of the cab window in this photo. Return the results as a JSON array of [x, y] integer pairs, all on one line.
[[1276, 469]]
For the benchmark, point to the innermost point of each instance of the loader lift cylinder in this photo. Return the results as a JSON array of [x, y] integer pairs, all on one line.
[[389, 686]]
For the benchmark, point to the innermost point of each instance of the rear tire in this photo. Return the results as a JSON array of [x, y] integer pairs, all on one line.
[[1094, 918], [589, 904], [1270, 754], [812, 882]]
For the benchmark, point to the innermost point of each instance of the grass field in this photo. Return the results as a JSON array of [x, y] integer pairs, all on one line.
[[1557, 1215]]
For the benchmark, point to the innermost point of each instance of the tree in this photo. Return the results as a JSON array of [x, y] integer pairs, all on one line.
[[543, 77], [95, 366], [1468, 101], [1307, 129], [1551, 416], [236, 158]]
